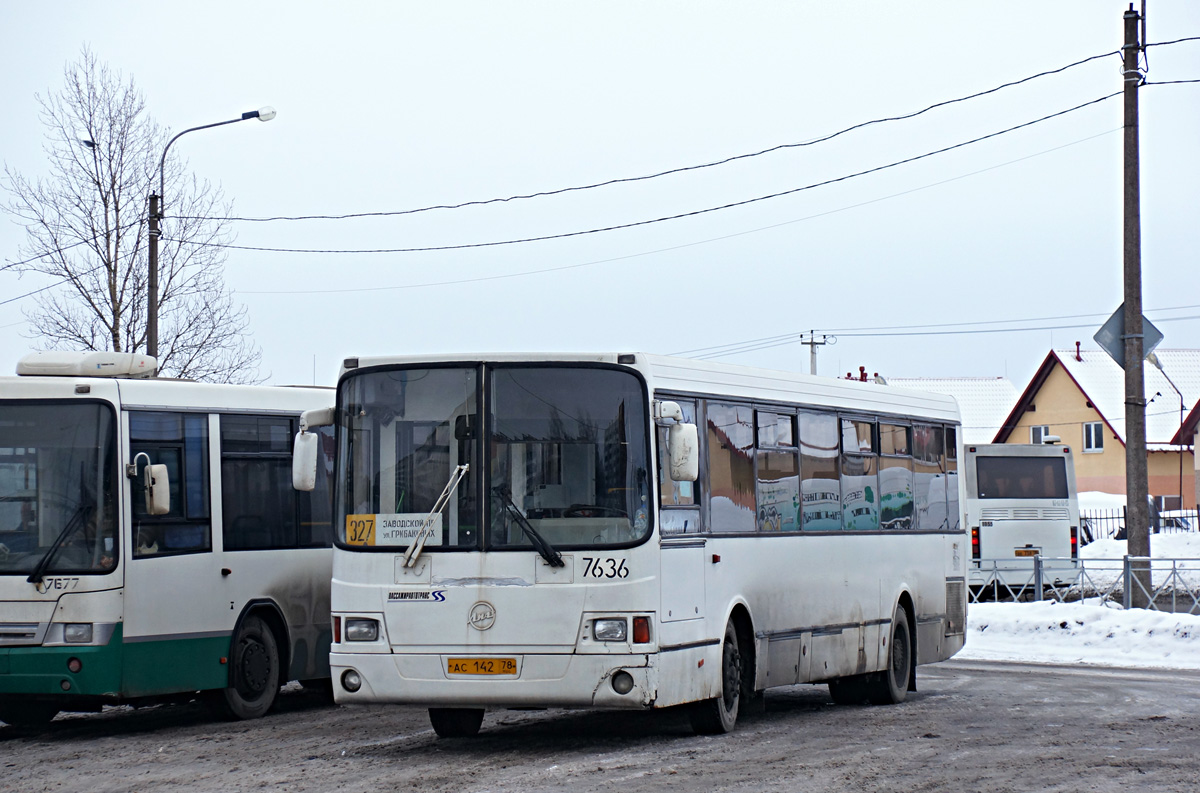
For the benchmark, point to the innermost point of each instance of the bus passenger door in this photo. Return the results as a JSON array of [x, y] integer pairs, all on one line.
[[177, 621], [682, 579]]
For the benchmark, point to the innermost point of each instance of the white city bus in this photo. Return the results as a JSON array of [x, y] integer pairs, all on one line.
[[524, 531], [1020, 503], [215, 581]]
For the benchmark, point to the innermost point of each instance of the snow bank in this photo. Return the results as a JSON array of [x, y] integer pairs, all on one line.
[[1074, 633]]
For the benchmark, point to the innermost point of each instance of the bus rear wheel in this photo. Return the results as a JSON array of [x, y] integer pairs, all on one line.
[[253, 672], [719, 715], [28, 714], [890, 686], [456, 722]]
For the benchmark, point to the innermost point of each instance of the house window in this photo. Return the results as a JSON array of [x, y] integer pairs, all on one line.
[[1093, 436], [1038, 434]]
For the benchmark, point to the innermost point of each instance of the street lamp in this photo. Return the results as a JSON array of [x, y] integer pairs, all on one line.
[[1152, 358], [262, 114]]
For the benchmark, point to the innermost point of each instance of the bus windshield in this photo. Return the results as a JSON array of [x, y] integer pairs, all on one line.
[[1021, 477], [563, 453], [57, 488]]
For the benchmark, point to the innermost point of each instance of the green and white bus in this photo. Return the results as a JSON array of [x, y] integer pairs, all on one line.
[[634, 531], [151, 543]]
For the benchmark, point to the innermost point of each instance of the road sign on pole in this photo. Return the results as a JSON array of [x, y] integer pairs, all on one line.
[[1111, 337]]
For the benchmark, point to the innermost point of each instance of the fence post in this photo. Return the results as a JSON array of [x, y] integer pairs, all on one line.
[[1037, 577], [1127, 573]]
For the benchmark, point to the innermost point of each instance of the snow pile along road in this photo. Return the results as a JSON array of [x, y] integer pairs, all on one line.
[[1072, 633]]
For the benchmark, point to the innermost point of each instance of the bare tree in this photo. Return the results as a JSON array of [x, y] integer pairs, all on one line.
[[86, 224]]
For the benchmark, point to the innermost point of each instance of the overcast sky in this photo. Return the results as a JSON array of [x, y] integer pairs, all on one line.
[[396, 106]]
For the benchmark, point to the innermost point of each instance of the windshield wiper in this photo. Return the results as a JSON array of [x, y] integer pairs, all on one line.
[[77, 520], [426, 531], [552, 557]]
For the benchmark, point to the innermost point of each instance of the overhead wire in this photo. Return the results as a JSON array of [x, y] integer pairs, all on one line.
[[68, 279], [670, 171], [780, 341], [635, 224], [668, 249]]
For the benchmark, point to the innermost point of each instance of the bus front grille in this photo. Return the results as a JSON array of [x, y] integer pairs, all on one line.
[[18, 632]]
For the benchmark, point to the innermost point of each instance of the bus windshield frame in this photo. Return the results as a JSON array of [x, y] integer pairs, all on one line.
[[559, 461], [58, 487]]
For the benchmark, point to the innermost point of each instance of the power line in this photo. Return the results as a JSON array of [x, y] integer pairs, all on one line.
[[68, 279], [578, 265], [669, 172], [779, 341], [636, 224], [1176, 41]]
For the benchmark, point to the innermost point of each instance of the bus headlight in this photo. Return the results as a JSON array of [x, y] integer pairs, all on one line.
[[351, 681], [610, 630], [361, 630], [78, 632]]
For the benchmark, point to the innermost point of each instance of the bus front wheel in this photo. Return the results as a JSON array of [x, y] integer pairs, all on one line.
[[253, 672], [456, 722], [719, 715]]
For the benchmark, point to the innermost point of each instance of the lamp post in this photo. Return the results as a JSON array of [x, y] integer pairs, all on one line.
[[156, 214], [1152, 358]]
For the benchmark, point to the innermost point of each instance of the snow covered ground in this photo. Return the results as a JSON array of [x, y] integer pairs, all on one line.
[[1074, 633]]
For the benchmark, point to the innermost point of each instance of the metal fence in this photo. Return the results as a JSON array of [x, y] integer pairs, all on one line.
[[1109, 524], [1171, 585]]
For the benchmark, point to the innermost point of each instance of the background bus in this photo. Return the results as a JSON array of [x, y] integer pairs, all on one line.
[[502, 538], [1021, 503], [105, 601]]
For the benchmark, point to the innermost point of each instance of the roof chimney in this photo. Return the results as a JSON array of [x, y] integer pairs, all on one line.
[[1078, 357]]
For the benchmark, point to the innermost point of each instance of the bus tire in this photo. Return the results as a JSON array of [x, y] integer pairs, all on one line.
[[456, 722], [253, 672], [28, 714], [852, 690], [718, 716], [890, 686]]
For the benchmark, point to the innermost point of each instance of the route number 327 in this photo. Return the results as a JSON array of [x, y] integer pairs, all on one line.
[[606, 567]]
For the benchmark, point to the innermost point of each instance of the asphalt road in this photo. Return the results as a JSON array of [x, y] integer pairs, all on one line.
[[971, 727]]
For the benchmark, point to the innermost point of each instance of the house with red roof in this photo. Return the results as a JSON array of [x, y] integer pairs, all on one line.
[[1079, 396]]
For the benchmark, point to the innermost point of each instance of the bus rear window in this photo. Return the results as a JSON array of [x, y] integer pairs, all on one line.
[[1022, 477]]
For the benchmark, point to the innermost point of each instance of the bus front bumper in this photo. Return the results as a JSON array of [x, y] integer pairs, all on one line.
[[45, 672], [560, 680]]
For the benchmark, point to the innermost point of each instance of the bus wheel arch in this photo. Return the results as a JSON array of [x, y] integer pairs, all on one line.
[[719, 715], [258, 654], [891, 684]]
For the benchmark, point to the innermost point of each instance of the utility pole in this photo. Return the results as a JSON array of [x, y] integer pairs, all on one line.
[[812, 347], [1137, 520], [152, 282]]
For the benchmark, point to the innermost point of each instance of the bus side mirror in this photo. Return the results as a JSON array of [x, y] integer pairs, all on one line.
[[158, 489], [304, 461], [684, 451], [304, 452]]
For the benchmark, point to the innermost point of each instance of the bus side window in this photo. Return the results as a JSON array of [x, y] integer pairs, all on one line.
[[820, 490], [860, 475], [777, 472], [258, 501], [180, 442], [929, 482], [679, 501], [950, 467], [730, 444], [895, 476]]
